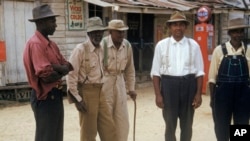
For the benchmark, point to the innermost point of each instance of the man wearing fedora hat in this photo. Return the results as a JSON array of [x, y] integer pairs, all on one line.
[[85, 83], [177, 73], [119, 74], [45, 66], [229, 80]]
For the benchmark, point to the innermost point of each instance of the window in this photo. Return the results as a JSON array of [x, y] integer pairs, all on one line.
[[95, 10]]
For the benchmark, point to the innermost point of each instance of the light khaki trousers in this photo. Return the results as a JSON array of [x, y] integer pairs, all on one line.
[[115, 90], [97, 118]]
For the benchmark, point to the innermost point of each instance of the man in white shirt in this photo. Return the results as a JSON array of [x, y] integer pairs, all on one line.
[[177, 73]]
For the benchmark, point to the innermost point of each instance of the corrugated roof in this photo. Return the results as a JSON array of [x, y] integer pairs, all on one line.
[[181, 5], [210, 3], [159, 3]]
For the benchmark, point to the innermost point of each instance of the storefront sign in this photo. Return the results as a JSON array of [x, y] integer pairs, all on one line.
[[75, 11]]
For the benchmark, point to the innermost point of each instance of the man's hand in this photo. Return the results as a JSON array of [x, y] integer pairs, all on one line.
[[159, 101], [81, 106], [211, 88], [132, 94], [62, 69], [197, 101]]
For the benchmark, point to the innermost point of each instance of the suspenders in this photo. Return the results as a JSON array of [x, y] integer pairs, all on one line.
[[189, 53], [86, 61], [105, 61]]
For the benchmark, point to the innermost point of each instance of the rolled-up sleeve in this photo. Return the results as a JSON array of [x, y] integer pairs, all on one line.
[[155, 70], [41, 64], [130, 71], [198, 62], [215, 61]]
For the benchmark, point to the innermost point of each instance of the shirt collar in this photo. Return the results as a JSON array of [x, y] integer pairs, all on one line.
[[182, 41], [111, 44], [41, 37], [238, 50], [91, 46]]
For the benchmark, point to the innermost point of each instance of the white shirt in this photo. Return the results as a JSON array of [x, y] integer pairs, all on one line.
[[177, 58]]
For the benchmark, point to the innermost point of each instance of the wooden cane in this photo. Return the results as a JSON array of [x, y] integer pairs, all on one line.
[[134, 119]]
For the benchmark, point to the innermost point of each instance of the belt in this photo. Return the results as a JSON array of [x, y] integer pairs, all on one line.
[[90, 85], [115, 72], [57, 95], [188, 76], [56, 92]]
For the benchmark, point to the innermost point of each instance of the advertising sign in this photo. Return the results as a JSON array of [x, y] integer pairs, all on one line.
[[204, 14], [75, 17]]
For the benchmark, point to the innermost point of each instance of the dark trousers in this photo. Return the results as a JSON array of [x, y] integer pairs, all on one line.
[[49, 116], [231, 100], [178, 94]]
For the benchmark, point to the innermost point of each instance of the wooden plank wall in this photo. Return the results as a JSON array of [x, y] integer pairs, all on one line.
[[65, 38], [16, 30]]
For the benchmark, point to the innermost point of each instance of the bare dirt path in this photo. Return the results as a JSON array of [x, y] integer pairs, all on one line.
[[17, 122]]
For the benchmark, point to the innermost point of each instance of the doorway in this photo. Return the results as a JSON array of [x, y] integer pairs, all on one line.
[[141, 36]]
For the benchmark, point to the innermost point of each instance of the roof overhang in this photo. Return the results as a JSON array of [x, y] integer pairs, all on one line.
[[100, 3], [142, 6], [126, 8], [141, 9]]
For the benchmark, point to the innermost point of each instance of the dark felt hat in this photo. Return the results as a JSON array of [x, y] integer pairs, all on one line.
[[41, 12]]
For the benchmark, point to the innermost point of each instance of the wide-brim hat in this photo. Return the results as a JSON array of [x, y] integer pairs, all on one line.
[[177, 17], [94, 24], [236, 23], [41, 12], [117, 25]]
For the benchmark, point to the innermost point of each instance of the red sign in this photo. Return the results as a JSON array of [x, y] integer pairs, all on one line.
[[204, 14]]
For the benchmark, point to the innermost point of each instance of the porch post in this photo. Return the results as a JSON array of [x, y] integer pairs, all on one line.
[[141, 45]]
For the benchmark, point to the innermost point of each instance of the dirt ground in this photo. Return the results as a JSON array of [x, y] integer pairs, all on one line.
[[17, 121]]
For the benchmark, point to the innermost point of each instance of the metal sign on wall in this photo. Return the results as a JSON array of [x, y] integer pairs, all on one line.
[[75, 13]]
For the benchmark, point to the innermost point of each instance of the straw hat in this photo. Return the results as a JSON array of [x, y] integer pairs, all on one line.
[[117, 25], [177, 17], [41, 12], [236, 24], [95, 23]]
